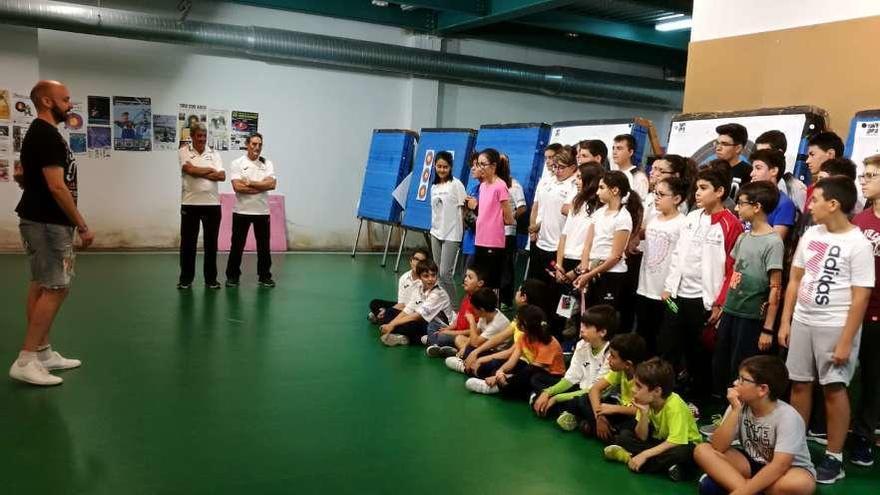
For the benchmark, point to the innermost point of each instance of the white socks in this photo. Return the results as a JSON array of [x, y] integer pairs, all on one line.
[[44, 352], [25, 357]]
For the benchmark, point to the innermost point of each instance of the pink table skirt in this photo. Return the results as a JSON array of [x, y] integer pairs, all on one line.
[[277, 224]]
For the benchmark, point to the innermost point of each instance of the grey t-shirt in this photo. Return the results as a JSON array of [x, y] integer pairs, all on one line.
[[780, 431], [754, 256]]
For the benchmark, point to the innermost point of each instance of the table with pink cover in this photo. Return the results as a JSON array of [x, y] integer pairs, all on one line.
[[277, 224]]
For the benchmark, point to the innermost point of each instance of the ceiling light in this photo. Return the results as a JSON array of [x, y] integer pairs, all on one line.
[[572, 35], [668, 17], [676, 25], [380, 3]]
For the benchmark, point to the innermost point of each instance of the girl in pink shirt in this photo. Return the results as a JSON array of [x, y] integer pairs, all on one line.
[[493, 213]]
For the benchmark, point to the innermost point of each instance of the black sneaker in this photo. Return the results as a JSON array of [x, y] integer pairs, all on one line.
[[266, 282], [231, 283], [829, 470], [183, 286], [675, 472], [212, 285], [819, 437], [861, 453]]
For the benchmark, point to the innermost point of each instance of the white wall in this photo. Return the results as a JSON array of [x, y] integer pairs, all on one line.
[[724, 18], [317, 122]]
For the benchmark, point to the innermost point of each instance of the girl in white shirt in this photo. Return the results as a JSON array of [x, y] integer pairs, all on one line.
[[602, 270], [447, 210], [577, 225]]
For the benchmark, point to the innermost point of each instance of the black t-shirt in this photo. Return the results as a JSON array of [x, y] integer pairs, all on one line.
[[743, 172], [42, 147]]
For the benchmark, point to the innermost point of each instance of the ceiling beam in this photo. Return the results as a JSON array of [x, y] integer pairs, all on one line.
[[496, 11], [474, 7], [609, 29], [363, 10]]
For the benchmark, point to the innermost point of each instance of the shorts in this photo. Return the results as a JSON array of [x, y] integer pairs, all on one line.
[[49, 248], [809, 355]]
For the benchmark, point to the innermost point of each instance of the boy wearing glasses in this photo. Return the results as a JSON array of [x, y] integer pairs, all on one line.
[[407, 285], [729, 145], [867, 413], [831, 280], [746, 326], [773, 455]]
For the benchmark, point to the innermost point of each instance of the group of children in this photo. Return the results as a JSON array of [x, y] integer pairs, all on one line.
[[672, 293]]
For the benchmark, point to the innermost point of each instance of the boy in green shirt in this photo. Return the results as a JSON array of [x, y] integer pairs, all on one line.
[[605, 419], [665, 433]]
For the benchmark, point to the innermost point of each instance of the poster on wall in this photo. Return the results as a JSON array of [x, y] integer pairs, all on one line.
[[164, 132], [4, 105], [77, 143], [98, 142], [132, 123], [99, 110], [218, 129], [5, 174], [5, 141], [187, 115], [23, 112], [18, 133], [75, 121], [243, 125]]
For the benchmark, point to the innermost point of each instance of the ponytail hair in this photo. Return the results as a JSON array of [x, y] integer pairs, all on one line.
[[503, 169], [533, 322], [591, 173], [629, 198]]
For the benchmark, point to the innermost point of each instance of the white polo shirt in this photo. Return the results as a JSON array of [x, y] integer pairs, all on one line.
[[550, 199], [198, 190], [247, 170]]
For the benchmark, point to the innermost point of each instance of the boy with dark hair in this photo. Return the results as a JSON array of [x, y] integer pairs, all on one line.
[[837, 166], [440, 338], [665, 433], [729, 146], [622, 152], [773, 456], [485, 322], [769, 165], [428, 304], [407, 284], [566, 399], [747, 321], [772, 140], [831, 280], [604, 420], [821, 147], [698, 277]]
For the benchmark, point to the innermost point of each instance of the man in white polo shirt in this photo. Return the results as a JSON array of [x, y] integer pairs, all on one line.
[[201, 168], [253, 176]]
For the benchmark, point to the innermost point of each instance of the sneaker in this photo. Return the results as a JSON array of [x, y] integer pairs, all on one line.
[[861, 453], [267, 283], [708, 430], [617, 453], [58, 362], [480, 386], [423, 339], [694, 410], [448, 351], [212, 285], [33, 373], [675, 472], [819, 437], [829, 470], [393, 339], [183, 286], [532, 398], [455, 363], [708, 486], [433, 351], [567, 421], [232, 283]]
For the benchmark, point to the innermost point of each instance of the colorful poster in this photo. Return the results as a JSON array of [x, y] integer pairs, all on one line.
[[23, 112], [98, 142], [5, 141], [77, 142], [5, 176], [243, 125], [132, 124], [99, 110], [187, 115], [4, 105], [75, 118], [18, 133], [218, 129], [164, 132], [425, 176]]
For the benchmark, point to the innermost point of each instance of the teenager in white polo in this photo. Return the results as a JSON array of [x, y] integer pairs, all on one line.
[[253, 176], [201, 168]]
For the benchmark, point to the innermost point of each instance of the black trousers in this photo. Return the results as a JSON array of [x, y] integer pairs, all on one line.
[[240, 226], [508, 273], [679, 343], [867, 412], [191, 216], [682, 455], [650, 314], [412, 330], [626, 300], [539, 262], [379, 304], [491, 261], [737, 340], [519, 385]]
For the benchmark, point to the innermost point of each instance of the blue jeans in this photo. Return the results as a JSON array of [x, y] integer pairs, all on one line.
[[49, 248], [437, 338]]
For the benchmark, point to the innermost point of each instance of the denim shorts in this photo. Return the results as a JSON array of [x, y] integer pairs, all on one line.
[[50, 252]]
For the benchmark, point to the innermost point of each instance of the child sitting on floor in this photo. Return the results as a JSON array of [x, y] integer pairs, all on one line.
[[485, 322], [430, 303], [406, 286], [605, 416], [443, 336]]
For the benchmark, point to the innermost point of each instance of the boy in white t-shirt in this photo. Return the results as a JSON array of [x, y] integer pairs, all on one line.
[[832, 275], [253, 176], [429, 304], [485, 322], [407, 285]]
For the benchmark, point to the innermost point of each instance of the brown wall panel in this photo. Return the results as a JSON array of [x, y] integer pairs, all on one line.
[[833, 66]]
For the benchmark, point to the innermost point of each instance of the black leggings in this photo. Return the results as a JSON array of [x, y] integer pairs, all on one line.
[[680, 454], [491, 261]]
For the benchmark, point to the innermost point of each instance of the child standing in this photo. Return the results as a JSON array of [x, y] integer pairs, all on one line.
[[665, 434], [536, 353], [589, 363], [746, 326], [407, 285], [447, 214], [831, 280], [440, 335], [493, 214], [428, 304], [773, 456]]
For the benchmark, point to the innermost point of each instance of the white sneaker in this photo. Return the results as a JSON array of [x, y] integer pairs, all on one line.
[[33, 373], [393, 339], [58, 362], [480, 386], [424, 339], [455, 364]]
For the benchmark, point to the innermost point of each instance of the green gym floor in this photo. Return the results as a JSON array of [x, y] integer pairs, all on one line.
[[282, 390]]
